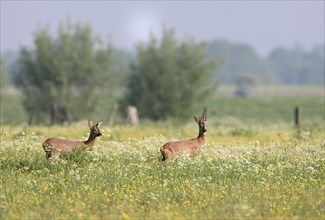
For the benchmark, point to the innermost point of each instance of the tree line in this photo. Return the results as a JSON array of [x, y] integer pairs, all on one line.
[[282, 66], [294, 66], [65, 76], [70, 75]]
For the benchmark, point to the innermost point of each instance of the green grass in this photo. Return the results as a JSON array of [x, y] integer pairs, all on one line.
[[269, 104], [268, 110], [269, 171], [11, 109], [255, 165]]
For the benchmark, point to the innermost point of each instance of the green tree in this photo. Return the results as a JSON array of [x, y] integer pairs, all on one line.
[[63, 76], [296, 66], [238, 59], [169, 79]]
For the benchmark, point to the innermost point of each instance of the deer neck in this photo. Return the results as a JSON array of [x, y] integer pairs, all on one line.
[[91, 140], [200, 137]]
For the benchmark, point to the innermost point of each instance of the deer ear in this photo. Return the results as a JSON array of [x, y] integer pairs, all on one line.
[[204, 112], [195, 118], [99, 124], [90, 123]]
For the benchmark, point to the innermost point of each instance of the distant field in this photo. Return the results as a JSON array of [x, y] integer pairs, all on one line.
[[270, 110], [246, 171], [268, 104], [277, 91], [11, 109]]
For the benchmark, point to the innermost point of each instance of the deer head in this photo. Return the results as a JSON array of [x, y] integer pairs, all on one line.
[[202, 122], [94, 129]]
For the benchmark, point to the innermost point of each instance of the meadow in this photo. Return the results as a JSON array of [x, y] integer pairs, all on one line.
[[255, 165]]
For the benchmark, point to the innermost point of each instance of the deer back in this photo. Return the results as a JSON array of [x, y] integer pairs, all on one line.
[[64, 145]]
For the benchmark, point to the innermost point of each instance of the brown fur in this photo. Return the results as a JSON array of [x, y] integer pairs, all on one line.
[[55, 146], [190, 147]]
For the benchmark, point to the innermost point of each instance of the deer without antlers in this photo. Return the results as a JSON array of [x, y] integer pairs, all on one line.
[[190, 147], [55, 146]]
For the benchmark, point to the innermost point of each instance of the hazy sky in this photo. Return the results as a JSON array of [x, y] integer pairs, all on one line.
[[263, 24]]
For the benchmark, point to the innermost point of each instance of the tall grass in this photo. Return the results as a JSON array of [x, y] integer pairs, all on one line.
[[269, 171]]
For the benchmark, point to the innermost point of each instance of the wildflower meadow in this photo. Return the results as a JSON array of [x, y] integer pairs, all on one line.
[[245, 171]]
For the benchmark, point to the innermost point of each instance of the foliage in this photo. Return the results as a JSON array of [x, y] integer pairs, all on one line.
[[62, 77], [299, 67], [282, 66], [273, 173], [239, 59], [169, 78]]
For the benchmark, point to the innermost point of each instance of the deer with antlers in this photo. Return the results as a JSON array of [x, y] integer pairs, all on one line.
[[191, 147], [55, 146]]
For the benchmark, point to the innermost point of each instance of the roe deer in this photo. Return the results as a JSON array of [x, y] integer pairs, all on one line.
[[190, 147], [55, 146]]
